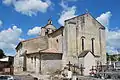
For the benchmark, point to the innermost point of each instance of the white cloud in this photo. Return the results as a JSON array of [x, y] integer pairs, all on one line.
[[9, 39], [64, 3], [67, 13], [29, 7], [104, 18], [113, 36], [34, 31], [7, 2], [1, 23], [111, 50], [113, 39], [21, 39]]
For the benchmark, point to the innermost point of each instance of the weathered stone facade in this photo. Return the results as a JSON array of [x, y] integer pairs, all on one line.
[[56, 47], [87, 28], [43, 63], [38, 55]]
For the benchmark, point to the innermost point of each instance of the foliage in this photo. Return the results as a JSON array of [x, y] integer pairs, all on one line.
[[107, 55], [1, 53], [113, 57], [118, 58]]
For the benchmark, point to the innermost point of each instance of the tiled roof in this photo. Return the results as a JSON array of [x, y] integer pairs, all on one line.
[[50, 50], [84, 53], [27, 40], [30, 39]]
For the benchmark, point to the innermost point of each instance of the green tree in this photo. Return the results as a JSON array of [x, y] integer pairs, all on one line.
[[112, 57], [107, 55], [119, 58], [1, 53]]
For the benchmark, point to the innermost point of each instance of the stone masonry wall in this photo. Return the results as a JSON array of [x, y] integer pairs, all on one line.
[[51, 63], [36, 45], [55, 40], [88, 27], [44, 63]]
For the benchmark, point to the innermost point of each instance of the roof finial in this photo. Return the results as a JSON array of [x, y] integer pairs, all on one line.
[[49, 21], [87, 11]]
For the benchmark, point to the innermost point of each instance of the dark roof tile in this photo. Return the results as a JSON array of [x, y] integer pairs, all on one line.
[[84, 53]]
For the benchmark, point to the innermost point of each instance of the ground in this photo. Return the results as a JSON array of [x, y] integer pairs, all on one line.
[[24, 77]]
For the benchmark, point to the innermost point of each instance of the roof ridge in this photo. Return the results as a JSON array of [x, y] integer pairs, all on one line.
[[76, 16], [30, 39]]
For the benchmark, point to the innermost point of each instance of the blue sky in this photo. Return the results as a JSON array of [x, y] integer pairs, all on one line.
[[23, 19]]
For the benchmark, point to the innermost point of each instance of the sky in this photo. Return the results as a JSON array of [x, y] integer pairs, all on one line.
[[23, 19]]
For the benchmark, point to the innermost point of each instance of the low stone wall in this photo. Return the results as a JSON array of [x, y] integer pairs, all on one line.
[[44, 77], [87, 78], [58, 77], [79, 78]]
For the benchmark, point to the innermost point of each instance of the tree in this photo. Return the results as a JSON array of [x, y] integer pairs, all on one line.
[[107, 55], [1, 53], [112, 57], [119, 58]]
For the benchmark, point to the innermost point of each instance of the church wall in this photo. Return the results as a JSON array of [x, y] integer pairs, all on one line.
[[70, 40], [89, 61], [55, 40], [103, 46], [33, 63], [18, 64], [49, 66], [88, 28], [64, 59], [44, 63], [36, 45], [18, 60], [29, 64], [51, 63], [81, 61], [92, 31], [43, 30]]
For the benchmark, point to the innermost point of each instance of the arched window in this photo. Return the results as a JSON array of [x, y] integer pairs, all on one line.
[[31, 59], [46, 32], [92, 44], [57, 40], [82, 39], [35, 60]]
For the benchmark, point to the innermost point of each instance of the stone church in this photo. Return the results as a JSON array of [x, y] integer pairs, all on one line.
[[80, 41]]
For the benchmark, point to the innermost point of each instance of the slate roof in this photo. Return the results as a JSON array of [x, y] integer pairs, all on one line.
[[84, 53]]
